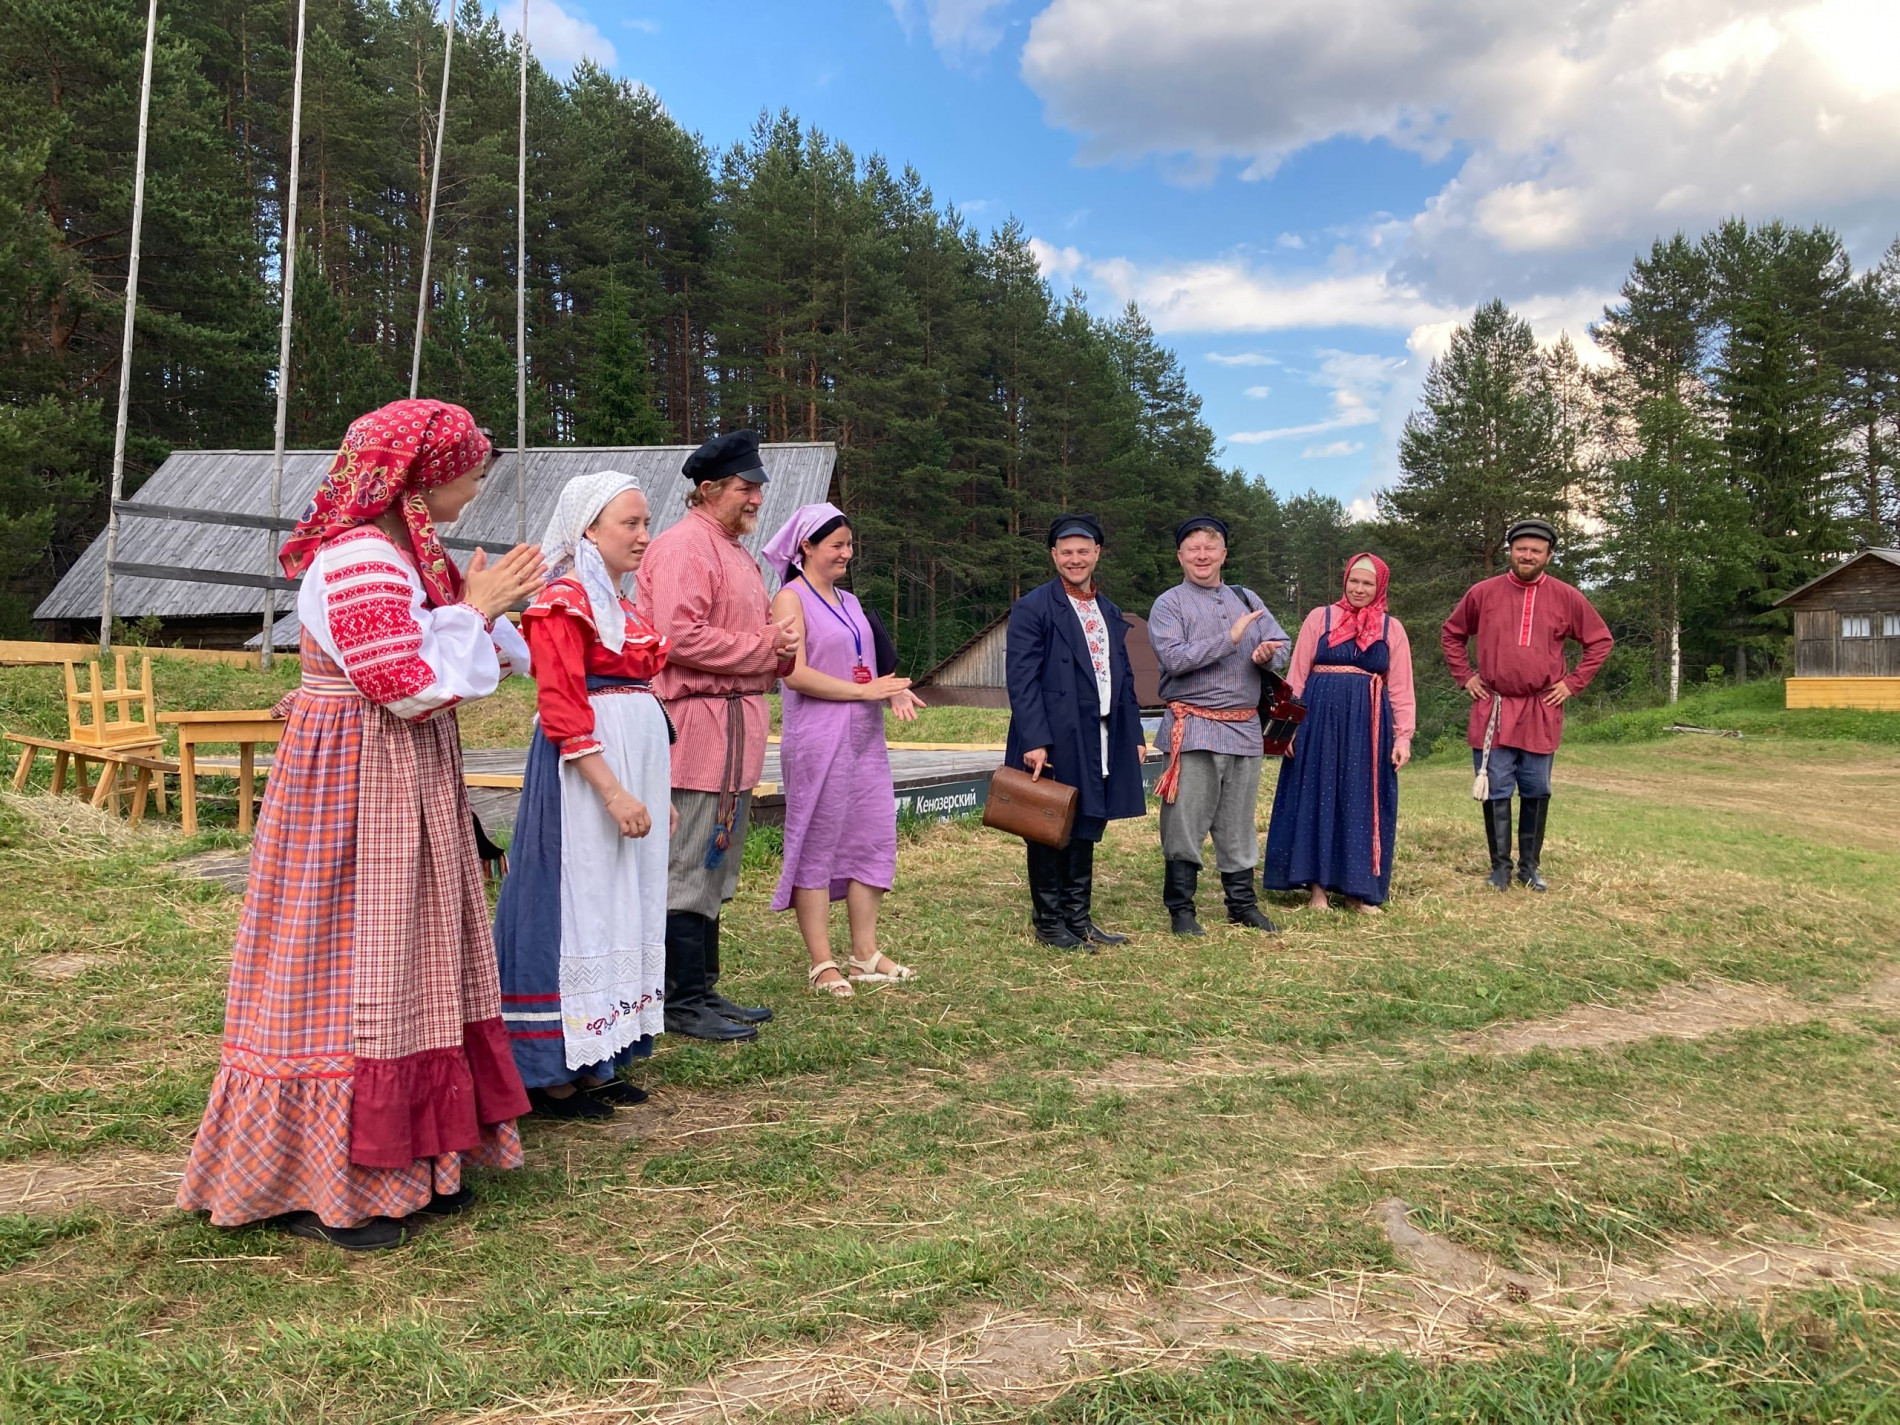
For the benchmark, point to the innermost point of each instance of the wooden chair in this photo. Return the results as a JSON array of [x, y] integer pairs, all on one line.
[[90, 722]]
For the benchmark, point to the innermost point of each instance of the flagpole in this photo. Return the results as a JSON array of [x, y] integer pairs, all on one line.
[[435, 185], [521, 301], [125, 340], [288, 258]]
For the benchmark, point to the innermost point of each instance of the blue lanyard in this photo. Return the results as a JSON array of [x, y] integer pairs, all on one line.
[[857, 642]]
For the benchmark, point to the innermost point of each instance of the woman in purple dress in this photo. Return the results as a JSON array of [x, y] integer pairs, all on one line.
[[840, 809]]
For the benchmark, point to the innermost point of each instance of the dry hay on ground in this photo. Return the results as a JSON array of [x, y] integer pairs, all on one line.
[[135, 1184], [1449, 1304], [1693, 1011]]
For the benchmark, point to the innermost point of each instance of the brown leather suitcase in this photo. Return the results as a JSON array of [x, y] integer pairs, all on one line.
[[1040, 810]]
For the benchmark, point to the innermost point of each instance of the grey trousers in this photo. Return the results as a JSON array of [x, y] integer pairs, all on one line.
[[1218, 792], [690, 885]]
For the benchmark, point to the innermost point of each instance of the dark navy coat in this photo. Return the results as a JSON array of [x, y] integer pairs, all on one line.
[[1053, 703]]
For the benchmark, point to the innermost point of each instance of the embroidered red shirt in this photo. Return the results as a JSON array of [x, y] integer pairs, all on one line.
[[1520, 631], [566, 648]]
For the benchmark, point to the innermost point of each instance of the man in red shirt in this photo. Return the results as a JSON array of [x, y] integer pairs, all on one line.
[[1520, 620], [700, 586]]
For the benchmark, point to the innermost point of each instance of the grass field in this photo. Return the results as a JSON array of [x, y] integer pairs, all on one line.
[[1493, 1158]]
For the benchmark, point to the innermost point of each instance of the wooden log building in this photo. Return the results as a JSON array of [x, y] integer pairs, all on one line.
[[1847, 635], [974, 675]]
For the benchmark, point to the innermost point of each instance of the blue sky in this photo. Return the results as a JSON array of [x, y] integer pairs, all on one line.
[[1305, 195]]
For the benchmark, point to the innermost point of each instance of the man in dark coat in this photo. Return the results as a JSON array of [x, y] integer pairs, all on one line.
[[1073, 715]]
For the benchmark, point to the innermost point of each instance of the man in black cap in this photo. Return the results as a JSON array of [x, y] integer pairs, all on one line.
[[1211, 640], [701, 588], [1519, 620], [1073, 716]]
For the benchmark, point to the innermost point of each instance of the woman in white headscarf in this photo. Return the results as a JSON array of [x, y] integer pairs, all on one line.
[[580, 931]]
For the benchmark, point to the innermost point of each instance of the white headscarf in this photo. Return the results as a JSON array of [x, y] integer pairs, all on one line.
[[568, 550]]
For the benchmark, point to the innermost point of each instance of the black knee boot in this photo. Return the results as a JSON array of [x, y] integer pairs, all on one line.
[[1178, 880], [1243, 906], [1046, 866], [1078, 896], [718, 1003], [687, 1012], [1497, 830], [1530, 840]]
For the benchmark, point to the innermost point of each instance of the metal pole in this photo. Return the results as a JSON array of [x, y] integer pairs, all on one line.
[[521, 301], [288, 258], [435, 184], [125, 341]]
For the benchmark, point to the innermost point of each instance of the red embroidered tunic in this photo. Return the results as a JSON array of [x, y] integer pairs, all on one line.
[[364, 603], [566, 649], [1520, 631]]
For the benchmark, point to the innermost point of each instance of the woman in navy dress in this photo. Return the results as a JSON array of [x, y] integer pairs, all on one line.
[[1335, 811]]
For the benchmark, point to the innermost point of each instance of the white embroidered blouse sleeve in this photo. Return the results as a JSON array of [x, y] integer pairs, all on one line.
[[364, 604], [512, 649]]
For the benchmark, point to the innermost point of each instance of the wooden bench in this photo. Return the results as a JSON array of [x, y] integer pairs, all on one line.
[[74, 756]]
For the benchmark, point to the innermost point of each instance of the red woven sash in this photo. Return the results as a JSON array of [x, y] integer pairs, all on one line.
[[1170, 783]]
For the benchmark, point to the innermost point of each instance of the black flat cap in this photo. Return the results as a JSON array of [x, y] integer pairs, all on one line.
[[1188, 526], [1535, 529], [734, 453], [1066, 525]]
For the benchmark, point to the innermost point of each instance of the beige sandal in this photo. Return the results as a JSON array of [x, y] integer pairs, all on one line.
[[837, 989], [866, 972]]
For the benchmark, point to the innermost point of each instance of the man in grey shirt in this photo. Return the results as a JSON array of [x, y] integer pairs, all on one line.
[[1211, 640]]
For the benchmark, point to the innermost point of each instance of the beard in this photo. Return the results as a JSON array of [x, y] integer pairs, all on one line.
[[748, 521]]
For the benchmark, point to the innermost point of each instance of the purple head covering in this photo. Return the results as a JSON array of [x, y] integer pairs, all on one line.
[[781, 551]]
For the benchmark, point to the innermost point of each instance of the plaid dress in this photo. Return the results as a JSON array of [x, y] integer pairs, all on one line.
[[364, 1058]]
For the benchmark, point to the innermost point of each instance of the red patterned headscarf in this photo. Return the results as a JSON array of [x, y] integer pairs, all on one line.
[[388, 458], [1366, 626]]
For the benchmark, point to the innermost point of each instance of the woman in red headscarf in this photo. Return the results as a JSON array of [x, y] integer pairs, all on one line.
[[1335, 811], [364, 1058]]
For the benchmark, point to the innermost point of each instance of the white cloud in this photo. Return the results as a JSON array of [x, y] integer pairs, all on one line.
[[1052, 261], [1242, 358], [1332, 450], [1232, 295], [644, 26], [960, 29], [1581, 128], [1362, 508], [1358, 383], [1259, 393], [560, 40], [1291, 242]]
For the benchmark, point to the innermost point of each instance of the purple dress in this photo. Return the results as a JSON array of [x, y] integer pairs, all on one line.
[[840, 810]]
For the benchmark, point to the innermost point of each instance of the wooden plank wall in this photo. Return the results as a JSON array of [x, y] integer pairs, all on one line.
[[20, 653]]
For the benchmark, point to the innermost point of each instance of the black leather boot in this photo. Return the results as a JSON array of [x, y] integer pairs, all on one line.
[[1046, 866], [1530, 840], [1243, 907], [687, 1012], [1497, 830], [1178, 879], [1078, 895], [718, 1003]]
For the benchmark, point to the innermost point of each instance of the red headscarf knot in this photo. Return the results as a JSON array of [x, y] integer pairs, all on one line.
[[388, 458], [1366, 626]]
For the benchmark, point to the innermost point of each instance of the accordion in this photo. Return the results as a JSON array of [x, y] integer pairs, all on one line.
[[1280, 715]]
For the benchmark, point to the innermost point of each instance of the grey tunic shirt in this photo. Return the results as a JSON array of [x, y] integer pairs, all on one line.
[[1201, 665]]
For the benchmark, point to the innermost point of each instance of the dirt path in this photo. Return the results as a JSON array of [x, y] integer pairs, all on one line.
[[1448, 1304]]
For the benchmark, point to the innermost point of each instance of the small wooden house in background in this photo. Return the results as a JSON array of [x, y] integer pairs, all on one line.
[[1847, 635], [974, 676]]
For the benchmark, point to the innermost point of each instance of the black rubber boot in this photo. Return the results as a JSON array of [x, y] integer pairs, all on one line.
[[1243, 907], [579, 1104], [1178, 879], [1530, 840], [718, 1003], [1078, 896], [687, 1012], [1046, 866], [1497, 830]]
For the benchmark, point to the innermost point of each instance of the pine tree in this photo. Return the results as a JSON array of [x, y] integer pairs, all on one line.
[[1485, 448], [1674, 535]]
